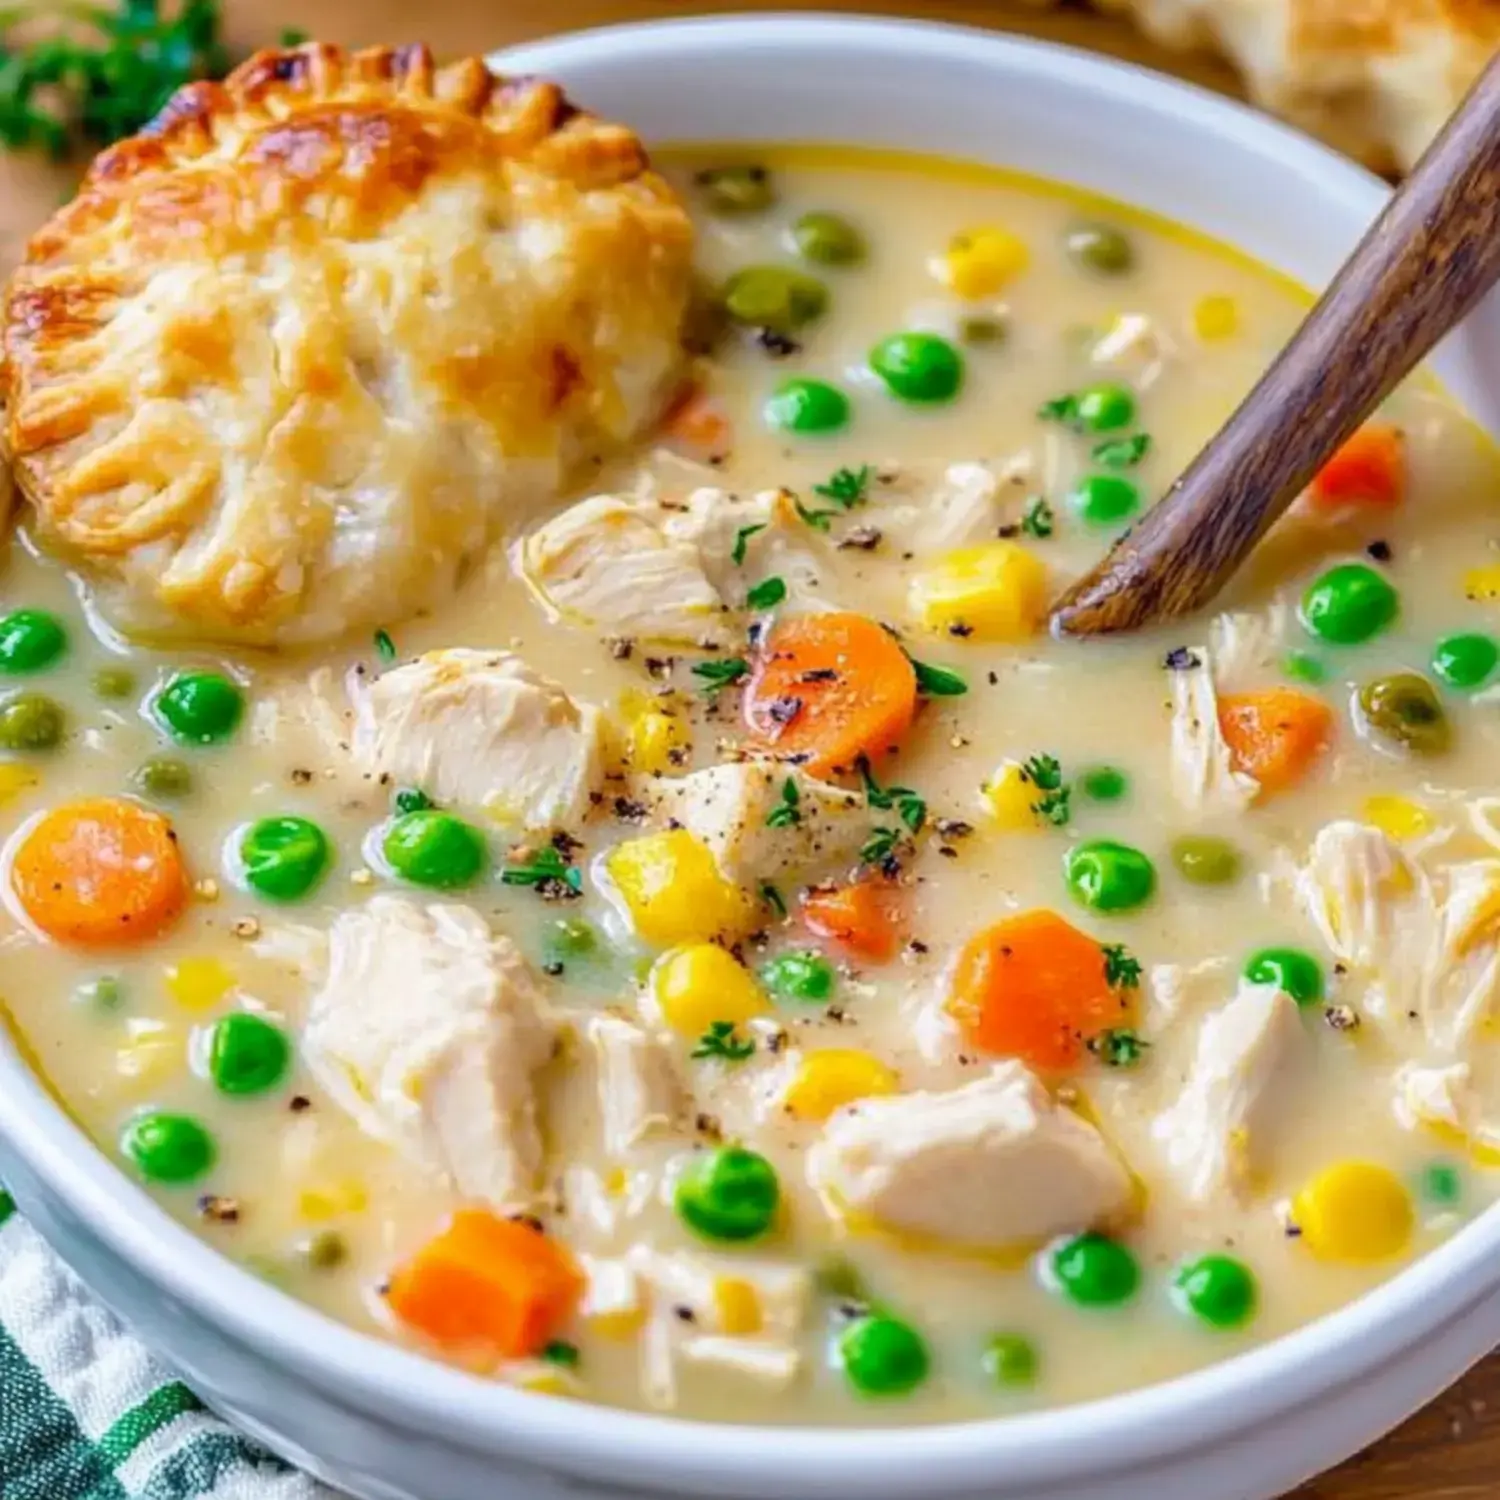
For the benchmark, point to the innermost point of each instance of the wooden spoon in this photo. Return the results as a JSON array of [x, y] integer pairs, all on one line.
[[1429, 257]]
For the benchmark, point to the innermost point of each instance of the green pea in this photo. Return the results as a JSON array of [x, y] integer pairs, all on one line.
[[168, 1148], [798, 976], [1103, 408], [247, 1054], [1464, 661], [1107, 876], [774, 297], [730, 1193], [1301, 666], [982, 329], [104, 993], [1292, 971], [29, 721], [1218, 1289], [435, 849], [31, 640], [882, 1356], [918, 367], [113, 682], [284, 858], [1441, 1183], [200, 708], [1405, 707], [828, 240], [163, 777], [571, 937], [1104, 784], [739, 189], [1348, 604], [1010, 1359], [807, 406], [1205, 860], [1095, 1271], [324, 1251], [1104, 499], [1100, 247]]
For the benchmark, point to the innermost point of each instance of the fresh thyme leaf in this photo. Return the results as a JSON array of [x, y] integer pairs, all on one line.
[[412, 799], [1056, 803], [773, 898], [819, 520], [910, 806], [766, 594], [720, 672], [561, 1352], [1121, 970], [912, 811], [1038, 520], [1119, 1048], [545, 868], [846, 487], [1123, 453], [1056, 807], [720, 1041], [741, 541], [937, 682], [385, 647], [1045, 772], [1062, 409], [787, 813], [880, 846]]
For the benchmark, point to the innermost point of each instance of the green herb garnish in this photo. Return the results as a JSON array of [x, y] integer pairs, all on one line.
[[819, 520], [546, 867], [766, 594], [720, 1041], [412, 799], [1123, 453], [1121, 970], [1038, 520], [1119, 1048], [880, 846], [1059, 409], [847, 487], [742, 540], [721, 673], [937, 682], [1045, 774], [385, 647], [773, 898], [787, 813], [561, 1352], [910, 806]]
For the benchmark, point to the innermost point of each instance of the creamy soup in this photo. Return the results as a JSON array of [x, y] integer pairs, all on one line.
[[910, 1017]]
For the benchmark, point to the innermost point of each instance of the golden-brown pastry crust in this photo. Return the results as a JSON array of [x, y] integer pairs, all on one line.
[[291, 356]]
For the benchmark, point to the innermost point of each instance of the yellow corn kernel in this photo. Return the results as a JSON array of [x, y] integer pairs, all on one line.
[[1483, 583], [738, 1305], [616, 1180], [332, 1200], [829, 1080], [14, 780], [653, 739], [154, 1051], [1011, 797], [699, 984], [996, 591], [1397, 817], [1216, 318], [673, 890], [1354, 1212], [979, 262], [198, 984]]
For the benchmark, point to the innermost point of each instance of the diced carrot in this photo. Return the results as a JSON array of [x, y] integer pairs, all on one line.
[[865, 917], [1370, 469], [499, 1283], [1034, 987], [698, 426], [828, 689], [1276, 735], [100, 872]]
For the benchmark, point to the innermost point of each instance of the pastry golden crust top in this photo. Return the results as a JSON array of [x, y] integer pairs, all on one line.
[[292, 356]]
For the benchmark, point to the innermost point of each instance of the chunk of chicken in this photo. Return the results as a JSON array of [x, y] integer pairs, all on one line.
[[728, 806], [305, 717], [480, 729], [1135, 346], [639, 1090], [1245, 646], [429, 1030], [991, 1164], [1445, 1099], [1203, 775], [1422, 942], [1217, 1135]]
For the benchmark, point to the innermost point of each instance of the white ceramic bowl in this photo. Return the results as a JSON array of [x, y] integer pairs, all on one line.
[[387, 1425]]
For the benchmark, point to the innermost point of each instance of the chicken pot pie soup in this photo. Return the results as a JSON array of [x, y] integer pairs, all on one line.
[[722, 956]]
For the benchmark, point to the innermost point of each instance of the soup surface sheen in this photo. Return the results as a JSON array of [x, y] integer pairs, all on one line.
[[1293, 1134]]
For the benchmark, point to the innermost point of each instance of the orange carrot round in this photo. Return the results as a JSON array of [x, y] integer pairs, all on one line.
[[1034, 987], [865, 917], [829, 689], [1370, 469], [1276, 735], [485, 1281], [100, 872]]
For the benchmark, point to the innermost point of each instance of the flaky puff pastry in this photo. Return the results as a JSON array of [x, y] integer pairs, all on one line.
[[293, 356]]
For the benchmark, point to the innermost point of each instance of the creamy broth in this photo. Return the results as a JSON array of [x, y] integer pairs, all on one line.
[[302, 1195]]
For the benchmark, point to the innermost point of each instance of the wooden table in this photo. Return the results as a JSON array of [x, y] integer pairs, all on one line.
[[1451, 1451]]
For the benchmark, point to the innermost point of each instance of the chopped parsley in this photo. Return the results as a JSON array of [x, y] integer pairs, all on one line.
[[546, 871], [880, 846], [937, 682], [847, 487], [1039, 519], [910, 806], [1055, 804], [1121, 970], [721, 672], [1123, 453], [385, 647], [720, 1041], [412, 799], [1119, 1047], [787, 813], [742, 540], [1062, 409], [819, 520], [773, 898], [561, 1352], [766, 594]]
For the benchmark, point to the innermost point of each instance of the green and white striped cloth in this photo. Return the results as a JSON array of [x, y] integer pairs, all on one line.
[[87, 1414]]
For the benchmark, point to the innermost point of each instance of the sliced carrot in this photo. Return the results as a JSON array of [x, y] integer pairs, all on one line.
[[100, 872], [1276, 735], [866, 917], [500, 1283], [1033, 987], [698, 426], [1370, 469], [827, 689]]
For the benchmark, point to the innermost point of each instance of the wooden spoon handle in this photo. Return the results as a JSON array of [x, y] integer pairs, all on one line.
[[1429, 257]]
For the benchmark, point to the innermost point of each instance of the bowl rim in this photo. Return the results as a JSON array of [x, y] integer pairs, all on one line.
[[418, 1394]]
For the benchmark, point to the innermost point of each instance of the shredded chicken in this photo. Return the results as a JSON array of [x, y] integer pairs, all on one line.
[[1203, 775], [1243, 646], [639, 1090], [1137, 346]]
